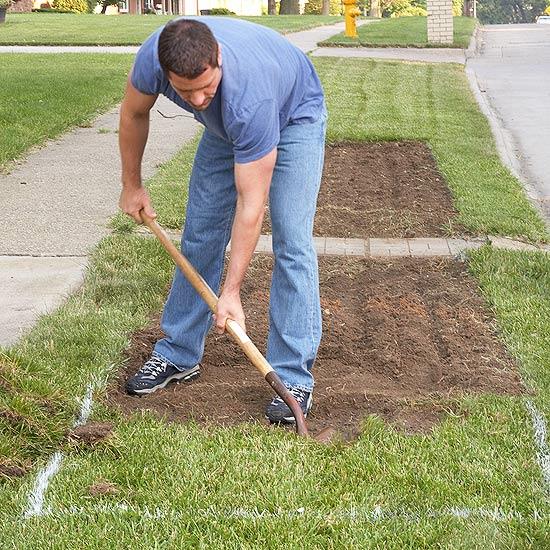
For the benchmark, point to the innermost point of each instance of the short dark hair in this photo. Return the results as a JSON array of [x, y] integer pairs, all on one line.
[[187, 48]]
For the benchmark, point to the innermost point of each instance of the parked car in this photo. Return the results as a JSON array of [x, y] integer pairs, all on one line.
[[543, 19]]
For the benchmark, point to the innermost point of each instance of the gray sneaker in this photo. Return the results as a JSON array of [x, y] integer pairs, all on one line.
[[158, 373], [277, 412]]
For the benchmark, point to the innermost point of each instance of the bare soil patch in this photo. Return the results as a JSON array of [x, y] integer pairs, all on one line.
[[383, 189], [402, 340]]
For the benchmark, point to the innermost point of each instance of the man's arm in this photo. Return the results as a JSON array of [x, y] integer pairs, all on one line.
[[252, 181], [132, 138]]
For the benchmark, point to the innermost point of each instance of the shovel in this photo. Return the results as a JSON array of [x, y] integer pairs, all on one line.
[[232, 327]]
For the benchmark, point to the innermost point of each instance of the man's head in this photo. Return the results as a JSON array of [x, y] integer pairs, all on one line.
[[191, 59]]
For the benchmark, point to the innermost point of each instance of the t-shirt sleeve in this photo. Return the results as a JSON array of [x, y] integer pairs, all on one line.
[[254, 131], [145, 73]]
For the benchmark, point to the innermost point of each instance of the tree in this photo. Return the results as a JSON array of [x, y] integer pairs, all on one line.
[[510, 11], [289, 7], [315, 7], [75, 6], [106, 3], [398, 8]]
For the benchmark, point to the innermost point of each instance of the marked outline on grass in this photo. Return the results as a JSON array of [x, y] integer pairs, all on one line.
[[35, 506], [540, 433], [353, 514]]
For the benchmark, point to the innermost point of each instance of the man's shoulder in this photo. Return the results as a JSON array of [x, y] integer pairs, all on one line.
[[147, 75]]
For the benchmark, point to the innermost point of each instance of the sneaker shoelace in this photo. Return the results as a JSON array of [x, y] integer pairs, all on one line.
[[298, 394], [153, 368]]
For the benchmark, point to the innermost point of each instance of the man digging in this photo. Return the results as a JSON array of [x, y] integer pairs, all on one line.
[[263, 109]]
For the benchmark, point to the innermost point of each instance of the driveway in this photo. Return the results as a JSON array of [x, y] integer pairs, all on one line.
[[511, 68]]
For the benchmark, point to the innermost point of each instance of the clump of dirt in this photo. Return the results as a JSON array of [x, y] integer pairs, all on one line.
[[384, 189], [403, 339], [91, 433], [103, 488], [11, 417], [10, 469]]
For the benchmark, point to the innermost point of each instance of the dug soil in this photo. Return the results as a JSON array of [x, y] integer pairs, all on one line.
[[402, 339], [387, 189]]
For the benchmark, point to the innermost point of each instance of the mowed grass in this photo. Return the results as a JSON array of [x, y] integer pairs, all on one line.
[[43, 95], [517, 286], [42, 378], [474, 482], [404, 32], [92, 29]]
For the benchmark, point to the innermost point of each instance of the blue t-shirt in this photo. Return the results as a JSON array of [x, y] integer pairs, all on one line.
[[267, 83]]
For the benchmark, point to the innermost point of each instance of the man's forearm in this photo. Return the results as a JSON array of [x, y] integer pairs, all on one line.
[[252, 181], [244, 236], [133, 133]]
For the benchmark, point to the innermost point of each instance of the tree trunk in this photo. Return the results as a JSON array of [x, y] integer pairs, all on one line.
[[104, 8], [326, 7], [289, 7], [375, 8], [271, 7]]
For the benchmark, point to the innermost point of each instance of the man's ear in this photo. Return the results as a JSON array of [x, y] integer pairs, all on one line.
[[219, 55]]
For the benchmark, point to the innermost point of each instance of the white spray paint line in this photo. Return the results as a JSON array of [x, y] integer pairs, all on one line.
[[36, 498], [353, 514], [539, 434], [35, 505]]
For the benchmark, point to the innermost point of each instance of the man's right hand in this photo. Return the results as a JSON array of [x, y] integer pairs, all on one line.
[[133, 200]]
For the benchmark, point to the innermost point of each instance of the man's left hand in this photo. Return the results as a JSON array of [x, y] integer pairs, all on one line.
[[229, 307]]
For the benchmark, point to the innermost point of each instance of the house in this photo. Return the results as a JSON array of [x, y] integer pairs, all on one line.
[[192, 7], [21, 6]]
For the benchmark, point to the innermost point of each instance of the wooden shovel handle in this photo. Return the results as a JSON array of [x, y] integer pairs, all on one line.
[[231, 326]]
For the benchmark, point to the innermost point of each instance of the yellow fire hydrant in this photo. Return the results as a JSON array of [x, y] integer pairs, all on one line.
[[351, 11]]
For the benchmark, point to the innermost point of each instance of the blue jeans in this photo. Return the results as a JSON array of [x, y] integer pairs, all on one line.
[[294, 308]]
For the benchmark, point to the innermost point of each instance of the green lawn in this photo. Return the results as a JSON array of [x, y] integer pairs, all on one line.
[[181, 486], [41, 96], [88, 29], [474, 482], [403, 32]]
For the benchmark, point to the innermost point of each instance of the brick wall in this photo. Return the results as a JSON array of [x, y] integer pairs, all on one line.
[[440, 21], [21, 6]]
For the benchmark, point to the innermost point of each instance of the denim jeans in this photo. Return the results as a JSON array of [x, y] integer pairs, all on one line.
[[294, 308]]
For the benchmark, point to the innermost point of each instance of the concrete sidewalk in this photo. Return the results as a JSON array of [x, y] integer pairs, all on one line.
[[57, 203], [425, 55]]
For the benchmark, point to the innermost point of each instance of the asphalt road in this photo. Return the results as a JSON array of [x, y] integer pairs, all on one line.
[[512, 70]]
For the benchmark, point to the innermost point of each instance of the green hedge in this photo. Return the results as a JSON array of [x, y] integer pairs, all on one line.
[[75, 6]]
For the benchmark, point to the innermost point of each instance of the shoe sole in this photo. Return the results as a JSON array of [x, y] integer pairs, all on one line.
[[189, 374]]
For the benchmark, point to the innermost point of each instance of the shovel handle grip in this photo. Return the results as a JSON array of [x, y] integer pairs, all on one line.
[[231, 326]]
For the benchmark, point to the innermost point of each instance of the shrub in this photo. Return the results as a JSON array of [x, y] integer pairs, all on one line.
[[315, 7], [221, 11], [74, 6]]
